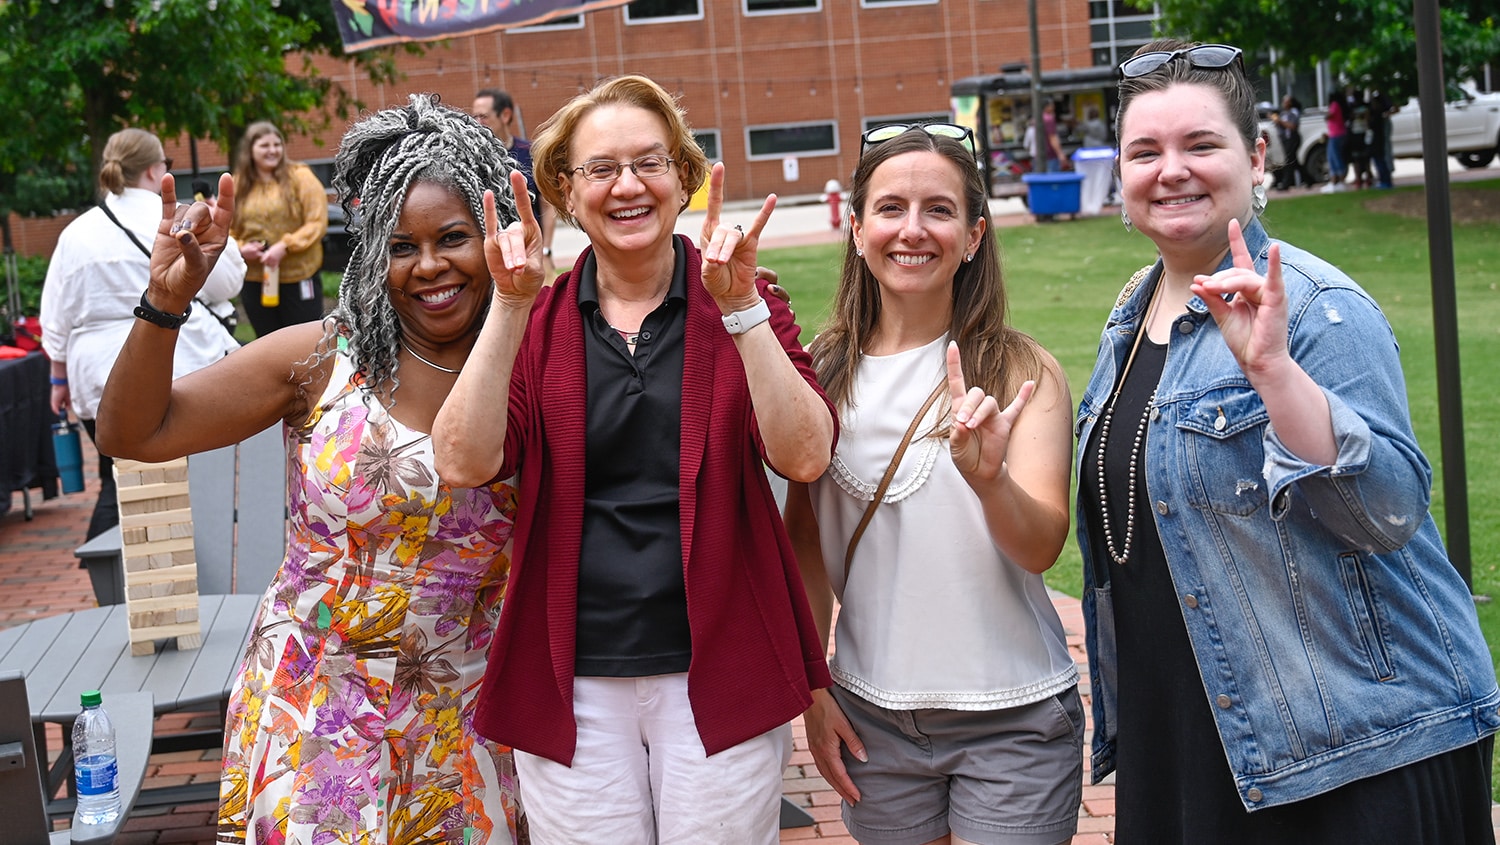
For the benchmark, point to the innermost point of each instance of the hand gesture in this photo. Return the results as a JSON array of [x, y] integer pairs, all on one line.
[[729, 251], [189, 241], [980, 434], [514, 254], [827, 729], [1253, 320]]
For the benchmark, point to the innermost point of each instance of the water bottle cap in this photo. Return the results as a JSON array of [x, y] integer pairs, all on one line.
[[92, 698]]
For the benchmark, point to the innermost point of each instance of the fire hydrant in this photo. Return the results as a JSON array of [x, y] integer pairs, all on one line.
[[833, 194]]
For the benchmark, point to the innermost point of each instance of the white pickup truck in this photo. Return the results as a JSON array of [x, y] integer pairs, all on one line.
[[1473, 122]]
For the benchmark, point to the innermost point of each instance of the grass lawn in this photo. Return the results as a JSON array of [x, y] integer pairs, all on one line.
[[1063, 279]]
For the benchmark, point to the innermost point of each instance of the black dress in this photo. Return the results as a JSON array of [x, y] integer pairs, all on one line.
[[1172, 779]]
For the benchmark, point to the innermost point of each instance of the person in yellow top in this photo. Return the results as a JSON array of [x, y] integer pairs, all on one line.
[[280, 219]]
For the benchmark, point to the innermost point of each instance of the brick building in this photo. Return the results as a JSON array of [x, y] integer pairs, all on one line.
[[763, 81]]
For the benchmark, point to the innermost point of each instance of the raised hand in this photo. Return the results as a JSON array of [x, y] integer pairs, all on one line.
[[1253, 320], [189, 240], [514, 254], [980, 433], [729, 251]]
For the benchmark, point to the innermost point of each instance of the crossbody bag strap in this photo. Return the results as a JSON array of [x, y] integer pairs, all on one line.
[[890, 473], [104, 206]]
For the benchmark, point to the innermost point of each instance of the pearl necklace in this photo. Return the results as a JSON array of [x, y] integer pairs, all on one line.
[[414, 354], [1123, 554]]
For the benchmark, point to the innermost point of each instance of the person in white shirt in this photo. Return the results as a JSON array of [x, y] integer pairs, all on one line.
[[955, 715], [95, 280]]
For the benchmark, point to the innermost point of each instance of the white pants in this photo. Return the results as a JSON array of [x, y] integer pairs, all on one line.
[[640, 775]]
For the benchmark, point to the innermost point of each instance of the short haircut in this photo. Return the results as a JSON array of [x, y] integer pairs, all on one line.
[[552, 148]]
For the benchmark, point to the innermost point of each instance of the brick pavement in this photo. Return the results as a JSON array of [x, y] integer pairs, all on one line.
[[39, 577]]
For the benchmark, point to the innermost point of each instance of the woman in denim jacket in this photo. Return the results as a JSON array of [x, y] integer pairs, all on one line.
[[1280, 650]]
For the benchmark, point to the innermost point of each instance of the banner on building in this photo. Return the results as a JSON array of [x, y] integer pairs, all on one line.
[[371, 23]]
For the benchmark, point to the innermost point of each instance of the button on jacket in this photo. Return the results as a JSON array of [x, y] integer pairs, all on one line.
[[1334, 638]]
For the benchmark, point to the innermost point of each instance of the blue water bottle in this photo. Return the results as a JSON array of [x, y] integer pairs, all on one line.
[[68, 449]]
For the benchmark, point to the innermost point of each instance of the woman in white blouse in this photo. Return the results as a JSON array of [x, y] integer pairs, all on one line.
[[95, 280], [955, 715]]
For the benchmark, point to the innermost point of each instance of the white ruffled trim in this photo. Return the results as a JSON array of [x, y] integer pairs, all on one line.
[[993, 700], [901, 488]]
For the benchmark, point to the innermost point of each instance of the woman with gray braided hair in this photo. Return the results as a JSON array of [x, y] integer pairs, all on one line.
[[352, 717]]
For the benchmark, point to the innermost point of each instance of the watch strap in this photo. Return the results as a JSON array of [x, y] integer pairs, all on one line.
[[743, 321], [157, 317]]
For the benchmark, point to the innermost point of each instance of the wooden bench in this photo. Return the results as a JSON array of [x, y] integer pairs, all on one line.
[[24, 774], [238, 496]]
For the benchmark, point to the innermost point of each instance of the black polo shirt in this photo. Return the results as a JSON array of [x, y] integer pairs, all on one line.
[[632, 601]]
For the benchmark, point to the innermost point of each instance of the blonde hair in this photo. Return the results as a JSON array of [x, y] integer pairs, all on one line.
[[551, 150], [128, 154]]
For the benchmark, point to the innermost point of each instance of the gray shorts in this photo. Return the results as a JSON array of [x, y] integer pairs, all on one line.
[[993, 777]]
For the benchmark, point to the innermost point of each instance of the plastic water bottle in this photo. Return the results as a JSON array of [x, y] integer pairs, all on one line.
[[95, 770]]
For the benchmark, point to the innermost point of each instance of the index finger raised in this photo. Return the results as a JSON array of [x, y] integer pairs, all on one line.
[[956, 386], [1237, 246], [523, 200], [715, 202]]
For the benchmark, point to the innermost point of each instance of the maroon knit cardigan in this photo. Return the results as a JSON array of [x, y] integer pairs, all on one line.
[[756, 652]]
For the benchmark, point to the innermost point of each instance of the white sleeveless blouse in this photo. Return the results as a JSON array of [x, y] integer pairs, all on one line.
[[933, 615]]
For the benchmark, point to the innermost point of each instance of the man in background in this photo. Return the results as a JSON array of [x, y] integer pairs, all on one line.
[[495, 109]]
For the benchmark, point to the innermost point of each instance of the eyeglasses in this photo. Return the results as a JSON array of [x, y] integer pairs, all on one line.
[[605, 170], [1207, 56], [881, 134]]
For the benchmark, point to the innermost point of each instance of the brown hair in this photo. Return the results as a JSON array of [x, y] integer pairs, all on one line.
[[1229, 82], [995, 356], [551, 150], [128, 154]]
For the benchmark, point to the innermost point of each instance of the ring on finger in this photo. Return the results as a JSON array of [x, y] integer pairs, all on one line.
[[739, 228]]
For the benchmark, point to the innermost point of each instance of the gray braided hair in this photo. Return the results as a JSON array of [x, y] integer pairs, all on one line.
[[378, 161]]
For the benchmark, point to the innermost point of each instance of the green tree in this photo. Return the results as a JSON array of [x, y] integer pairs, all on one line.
[[72, 72], [1372, 41]]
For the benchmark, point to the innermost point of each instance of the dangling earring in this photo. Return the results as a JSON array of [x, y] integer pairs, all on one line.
[[1125, 218], [1258, 199]]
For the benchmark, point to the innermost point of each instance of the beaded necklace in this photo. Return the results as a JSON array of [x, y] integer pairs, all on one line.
[[1123, 554]]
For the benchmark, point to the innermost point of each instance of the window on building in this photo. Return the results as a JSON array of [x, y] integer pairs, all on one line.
[[663, 11], [874, 3], [568, 22], [788, 139], [781, 7], [708, 141], [1116, 29]]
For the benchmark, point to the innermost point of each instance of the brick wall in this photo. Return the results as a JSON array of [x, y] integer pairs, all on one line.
[[846, 63]]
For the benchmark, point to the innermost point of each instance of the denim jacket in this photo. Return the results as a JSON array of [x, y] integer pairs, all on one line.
[[1334, 638]]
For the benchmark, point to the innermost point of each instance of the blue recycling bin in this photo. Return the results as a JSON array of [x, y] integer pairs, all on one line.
[[1053, 193]]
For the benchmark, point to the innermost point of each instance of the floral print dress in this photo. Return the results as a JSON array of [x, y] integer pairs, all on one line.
[[351, 721]]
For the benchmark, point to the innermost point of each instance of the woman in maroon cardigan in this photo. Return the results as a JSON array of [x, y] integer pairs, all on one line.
[[656, 639]]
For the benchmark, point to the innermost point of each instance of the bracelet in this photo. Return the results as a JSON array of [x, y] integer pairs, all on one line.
[[58, 382], [157, 317]]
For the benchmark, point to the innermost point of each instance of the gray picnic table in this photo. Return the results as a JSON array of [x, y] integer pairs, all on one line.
[[62, 656]]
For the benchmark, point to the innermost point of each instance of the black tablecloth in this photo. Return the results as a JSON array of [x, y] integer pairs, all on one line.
[[26, 458]]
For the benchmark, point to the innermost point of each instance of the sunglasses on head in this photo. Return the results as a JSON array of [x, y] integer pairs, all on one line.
[[881, 134], [1207, 56]]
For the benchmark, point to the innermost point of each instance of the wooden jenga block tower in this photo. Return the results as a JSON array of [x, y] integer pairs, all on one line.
[[156, 540]]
